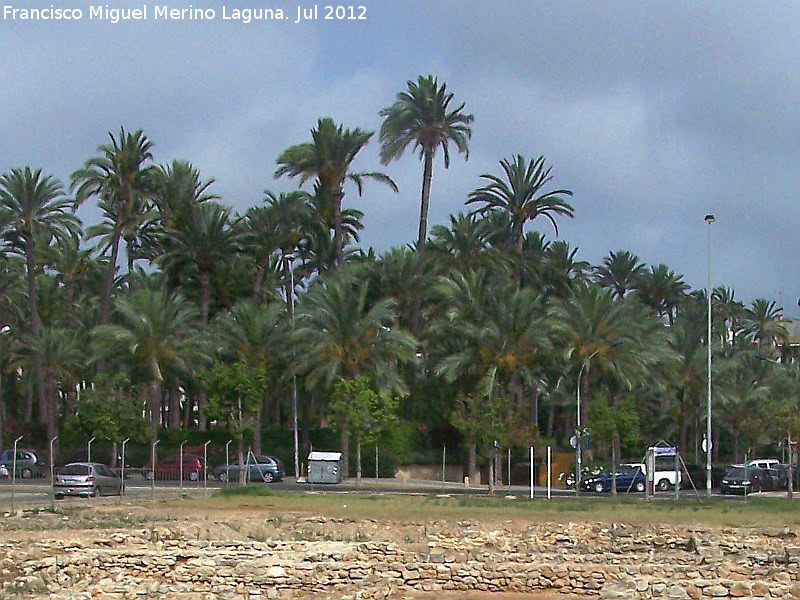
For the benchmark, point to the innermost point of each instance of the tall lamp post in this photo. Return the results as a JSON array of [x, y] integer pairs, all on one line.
[[709, 219], [578, 432], [290, 301]]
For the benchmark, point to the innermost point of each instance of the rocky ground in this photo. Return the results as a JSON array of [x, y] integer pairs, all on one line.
[[107, 550]]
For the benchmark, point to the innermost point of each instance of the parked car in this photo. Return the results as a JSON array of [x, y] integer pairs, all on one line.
[[86, 479], [170, 468], [261, 468], [778, 473], [28, 463], [741, 479], [630, 478]]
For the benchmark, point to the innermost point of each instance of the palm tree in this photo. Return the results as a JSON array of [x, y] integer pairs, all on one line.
[[123, 182], [560, 272], [615, 341], [421, 116], [36, 211], [178, 191], [255, 334], [619, 272], [328, 158], [462, 246], [765, 324], [729, 315], [491, 337], [61, 356], [662, 290], [339, 335], [206, 241], [155, 333], [521, 196], [273, 232]]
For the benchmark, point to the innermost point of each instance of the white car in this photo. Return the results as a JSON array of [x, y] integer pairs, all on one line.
[[764, 463]]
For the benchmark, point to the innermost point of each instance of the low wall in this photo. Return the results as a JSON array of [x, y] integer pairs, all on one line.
[[288, 558]]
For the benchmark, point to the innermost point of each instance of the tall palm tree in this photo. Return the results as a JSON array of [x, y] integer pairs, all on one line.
[[521, 195], [36, 209], [122, 180], [155, 333], [765, 323], [619, 272], [256, 335], [617, 342], [462, 245], [328, 159], [491, 337], [662, 290], [61, 355], [729, 314], [178, 190], [274, 232], [421, 116], [338, 334], [204, 243], [560, 270], [36, 212]]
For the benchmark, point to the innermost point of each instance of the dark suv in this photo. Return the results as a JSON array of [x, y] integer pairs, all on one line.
[[28, 463], [741, 479]]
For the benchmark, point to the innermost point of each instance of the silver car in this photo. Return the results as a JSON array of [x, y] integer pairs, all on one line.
[[86, 479]]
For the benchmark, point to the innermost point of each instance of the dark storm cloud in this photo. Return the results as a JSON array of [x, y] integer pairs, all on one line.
[[653, 113]]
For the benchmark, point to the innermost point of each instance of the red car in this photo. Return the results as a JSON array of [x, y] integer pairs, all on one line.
[[169, 468]]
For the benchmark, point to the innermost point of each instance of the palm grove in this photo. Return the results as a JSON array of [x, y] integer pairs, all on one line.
[[473, 334]]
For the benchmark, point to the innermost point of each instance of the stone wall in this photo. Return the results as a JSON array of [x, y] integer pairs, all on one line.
[[319, 557]]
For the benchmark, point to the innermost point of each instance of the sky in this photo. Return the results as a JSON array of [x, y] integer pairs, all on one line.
[[653, 114]]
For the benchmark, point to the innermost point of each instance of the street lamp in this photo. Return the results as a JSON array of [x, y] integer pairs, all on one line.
[[709, 219], [294, 388], [578, 432], [89, 449], [122, 489]]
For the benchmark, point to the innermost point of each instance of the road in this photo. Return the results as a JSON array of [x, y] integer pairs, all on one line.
[[38, 491]]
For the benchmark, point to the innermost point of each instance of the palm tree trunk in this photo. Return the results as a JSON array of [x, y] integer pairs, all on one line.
[[29, 404], [154, 401], [472, 460], [615, 447], [30, 261], [427, 176], [174, 408], [344, 448], [51, 409], [205, 297], [257, 432], [358, 462], [257, 284], [108, 282], [684, 427], [551, 419], [337, 227]]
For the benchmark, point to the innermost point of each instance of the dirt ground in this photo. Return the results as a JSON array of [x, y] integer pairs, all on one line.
[[84, 522]]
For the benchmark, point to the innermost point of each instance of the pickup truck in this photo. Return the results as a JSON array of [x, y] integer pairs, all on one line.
[[665, 475]]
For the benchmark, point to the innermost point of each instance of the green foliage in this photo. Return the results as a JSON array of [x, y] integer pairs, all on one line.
[[111, 410], [365, 411], [233, 391], [609, 421]]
